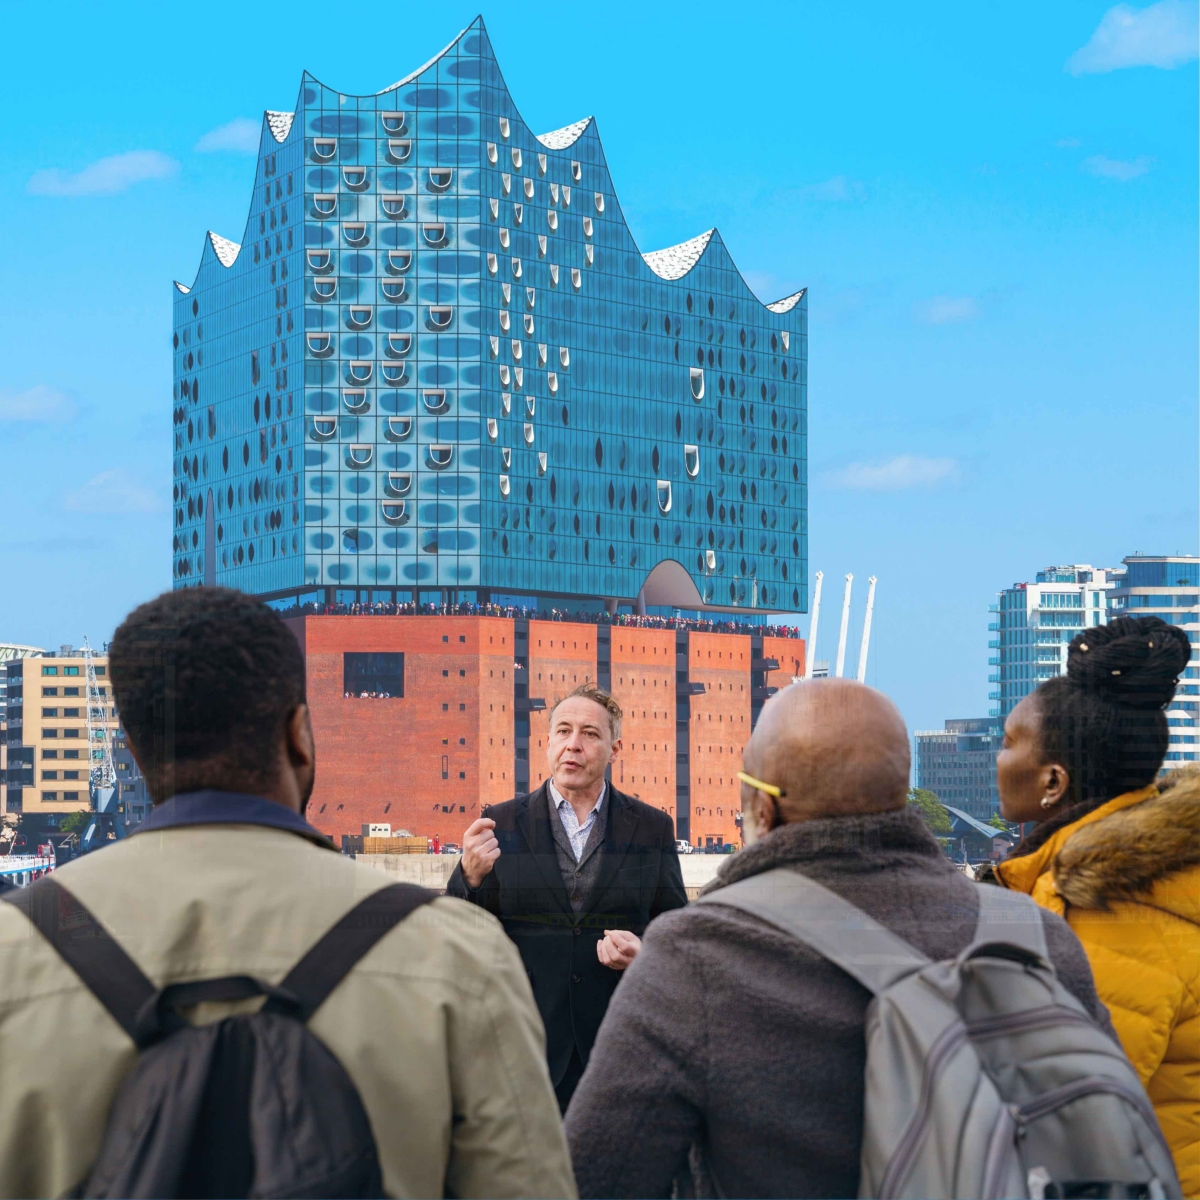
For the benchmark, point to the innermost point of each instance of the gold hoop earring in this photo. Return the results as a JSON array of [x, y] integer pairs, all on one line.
[[1048, 802]]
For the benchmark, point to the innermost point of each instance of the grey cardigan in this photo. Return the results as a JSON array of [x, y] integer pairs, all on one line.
[[730, 1034]]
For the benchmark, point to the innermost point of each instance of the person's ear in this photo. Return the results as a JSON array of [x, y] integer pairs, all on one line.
[[301, 747], [616, 749], [1054, 780]]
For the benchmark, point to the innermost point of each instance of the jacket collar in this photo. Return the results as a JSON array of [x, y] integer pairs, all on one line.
[[1022, 873], [211, 807]]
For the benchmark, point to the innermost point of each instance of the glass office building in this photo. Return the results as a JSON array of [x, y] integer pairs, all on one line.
[[437, 366]]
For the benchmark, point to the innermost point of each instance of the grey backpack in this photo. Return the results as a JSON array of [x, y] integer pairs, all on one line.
[[985, 1077]]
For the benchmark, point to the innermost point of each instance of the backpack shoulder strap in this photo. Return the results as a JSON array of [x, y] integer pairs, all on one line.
[[87, 948], [821, 919], [1008, 918], [336, 953]]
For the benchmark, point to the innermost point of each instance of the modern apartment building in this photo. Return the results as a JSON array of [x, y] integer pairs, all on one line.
[[8, 652], [49, 756], [1168, 586], [959, 764], [1033, 623], [438, 367]]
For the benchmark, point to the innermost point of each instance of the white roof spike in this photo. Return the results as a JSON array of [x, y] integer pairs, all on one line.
[[788, 302], [424, 66], [225, 250], [568, 135], [280, 124], [676, 261]]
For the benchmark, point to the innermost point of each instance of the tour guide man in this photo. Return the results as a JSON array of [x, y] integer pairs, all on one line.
[[575, 871]]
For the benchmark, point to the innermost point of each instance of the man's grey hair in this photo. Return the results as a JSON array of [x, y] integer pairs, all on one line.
[[595, 693]]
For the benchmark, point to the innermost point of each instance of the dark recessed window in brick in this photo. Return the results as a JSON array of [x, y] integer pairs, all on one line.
[[373, 673]]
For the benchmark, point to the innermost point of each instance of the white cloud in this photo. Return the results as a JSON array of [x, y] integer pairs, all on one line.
[[948, 310], [1163, 35], [1114, 168], [106, 176], [837, 188], [41, 404], [240, 135], [110, 492], [896, 474]]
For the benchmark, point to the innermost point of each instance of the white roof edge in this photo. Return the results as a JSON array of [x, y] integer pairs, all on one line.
[[423, 67], [787, 303], [279, 123], [183, 287], [225, 250], [675, 262], [568, 135]]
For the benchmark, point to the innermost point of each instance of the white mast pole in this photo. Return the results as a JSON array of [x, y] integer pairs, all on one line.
[[810, 651], [866, 638], [841, 654]]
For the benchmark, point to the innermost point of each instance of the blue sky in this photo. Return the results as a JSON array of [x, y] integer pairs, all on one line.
[[994, 208]]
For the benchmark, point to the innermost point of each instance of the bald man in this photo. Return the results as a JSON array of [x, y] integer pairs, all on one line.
[[731, 1035]]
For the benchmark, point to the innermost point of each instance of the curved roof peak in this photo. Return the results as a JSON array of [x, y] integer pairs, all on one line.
[[225, 250], [787, 303], [568, 135], [425, 66], [676, 261], [280, 124]]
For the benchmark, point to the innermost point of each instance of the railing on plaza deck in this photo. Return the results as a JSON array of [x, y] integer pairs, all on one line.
[[617, 620]]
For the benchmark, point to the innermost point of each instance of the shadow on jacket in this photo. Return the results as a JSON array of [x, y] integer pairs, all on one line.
[[637, 879], [730, 1034], [1127, 878]]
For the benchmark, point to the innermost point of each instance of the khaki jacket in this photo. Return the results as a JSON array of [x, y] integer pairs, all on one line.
[[1127, 878], [436, 1025]]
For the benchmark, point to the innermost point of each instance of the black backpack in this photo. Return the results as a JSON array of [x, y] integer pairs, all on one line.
[[251, 1105]]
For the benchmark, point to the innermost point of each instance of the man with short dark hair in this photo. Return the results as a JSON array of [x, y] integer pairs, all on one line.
[[575, 871], [434, 1025]]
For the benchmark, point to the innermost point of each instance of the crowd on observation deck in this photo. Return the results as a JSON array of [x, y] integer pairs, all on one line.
[[522, 613], [221, 1005]]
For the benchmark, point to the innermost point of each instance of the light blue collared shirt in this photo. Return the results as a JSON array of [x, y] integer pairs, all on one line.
[[577, 834]]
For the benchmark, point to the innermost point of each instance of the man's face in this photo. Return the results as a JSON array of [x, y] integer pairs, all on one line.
[[581, 743]]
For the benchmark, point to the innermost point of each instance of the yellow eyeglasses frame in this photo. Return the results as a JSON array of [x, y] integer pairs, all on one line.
[[771, 789]]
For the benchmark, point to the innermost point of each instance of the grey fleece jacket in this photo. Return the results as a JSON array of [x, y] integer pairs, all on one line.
[[728, 1033]]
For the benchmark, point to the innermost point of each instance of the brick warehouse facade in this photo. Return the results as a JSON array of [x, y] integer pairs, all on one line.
[[468, 725]]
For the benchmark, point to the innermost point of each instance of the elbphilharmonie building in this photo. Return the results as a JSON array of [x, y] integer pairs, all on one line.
[[437, 365]]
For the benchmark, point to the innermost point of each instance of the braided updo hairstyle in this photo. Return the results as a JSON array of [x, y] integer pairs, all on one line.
[[1104, 720]]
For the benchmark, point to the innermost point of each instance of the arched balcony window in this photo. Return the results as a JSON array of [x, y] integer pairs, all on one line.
[[399, 483], [324, 428], [516, 348], [320, 261], [530, 406], [552, 219], [542, 352], [505, 182], [710, 560], [360, 370], [393, 122], [664, 495], [691, 461], [398, 428], [359, 456], [505, 488], [576, 278], [527, 430], [576, 171], [588, 227], [324, 149], [492, 264], [325, 204], [355, 233], [399, 344], [552, 382], [554, 274], [324, 288], [541, 159], [519, 213], [505, 374], [358, 316], [492, 155], [440, 178], [435, 399], [506, 402], [398, 261], [542, 460], [564, 356], [355, 400], [399, 149], [393, 289], [504, 127], [697, 381], [394, 512], [355, 178], [320, 345], [492, 429], [506, 456], [439, 457], [395, 374], [440, 316], [527, 184], [599, 199], [516, 158], [393, 206], [505, 321], [434, 233], [505, 240]]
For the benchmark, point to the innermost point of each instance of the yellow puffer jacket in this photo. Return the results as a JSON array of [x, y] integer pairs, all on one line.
[[1127, 878]]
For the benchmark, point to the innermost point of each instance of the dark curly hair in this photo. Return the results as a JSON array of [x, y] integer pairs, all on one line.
[[1104, 719], [205, 680]]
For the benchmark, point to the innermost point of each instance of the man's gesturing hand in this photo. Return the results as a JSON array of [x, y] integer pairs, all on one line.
[[618, 949], [480, 851]]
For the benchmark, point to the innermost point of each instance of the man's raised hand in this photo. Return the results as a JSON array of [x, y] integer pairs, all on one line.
[[480, 851]]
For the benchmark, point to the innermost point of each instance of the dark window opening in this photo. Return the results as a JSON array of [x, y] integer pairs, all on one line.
[[374, 672]]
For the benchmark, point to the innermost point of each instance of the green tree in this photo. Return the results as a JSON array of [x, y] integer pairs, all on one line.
[[996, 821], [75, 822], [933, 812]]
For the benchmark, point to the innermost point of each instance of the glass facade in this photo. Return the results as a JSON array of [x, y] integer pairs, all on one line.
[[958, 763], [438, 363]]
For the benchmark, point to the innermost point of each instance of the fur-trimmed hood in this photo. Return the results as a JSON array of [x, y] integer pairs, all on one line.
[[1148, 852]]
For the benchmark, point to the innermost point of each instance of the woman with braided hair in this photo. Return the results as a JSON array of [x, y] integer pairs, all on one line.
[[1116, 854]]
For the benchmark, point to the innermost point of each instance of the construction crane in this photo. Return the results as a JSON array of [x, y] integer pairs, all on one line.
[[102, 774], [841, 653], [866, 637], [810, 651]]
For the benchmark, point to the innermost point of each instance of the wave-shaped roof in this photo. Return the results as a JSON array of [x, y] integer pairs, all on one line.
[[568, 135], [676, 261], [280, 124], [225, 250], [788, 302]]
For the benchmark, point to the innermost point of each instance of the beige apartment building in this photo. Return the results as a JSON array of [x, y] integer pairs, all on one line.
[[48, 755]]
